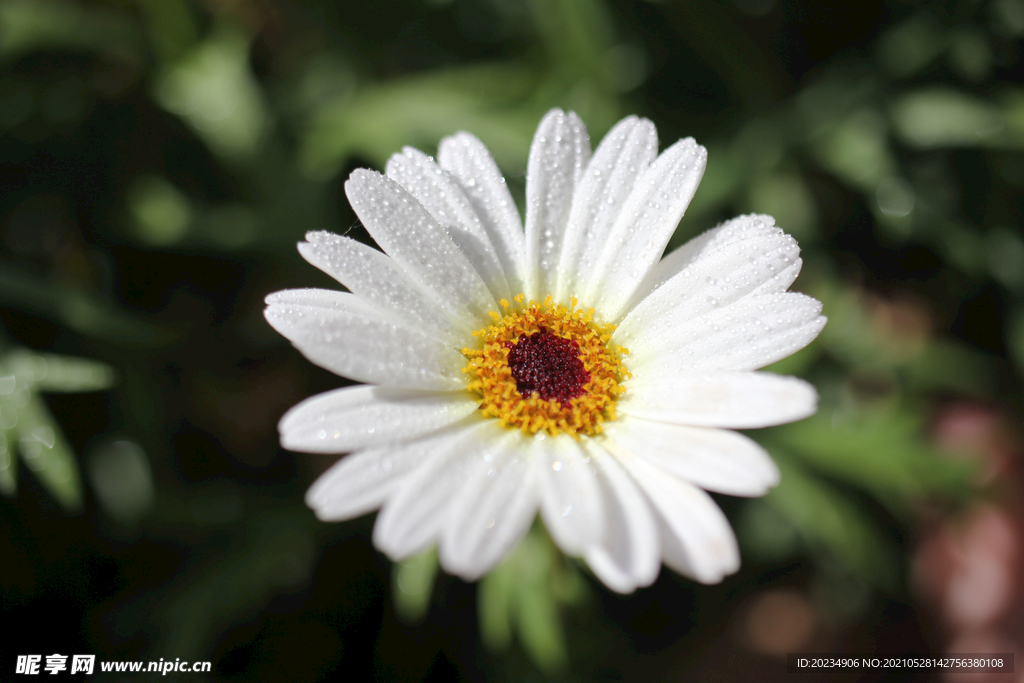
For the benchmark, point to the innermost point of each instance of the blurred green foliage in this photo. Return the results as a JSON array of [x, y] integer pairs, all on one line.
[[525, 595], [28, 429], [162, 157]]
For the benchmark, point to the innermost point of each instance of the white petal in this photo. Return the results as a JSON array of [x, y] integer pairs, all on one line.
[[740, 228], [560, 151], [763, 337], [737, 400], [411, 519], [629, 555], [377, 278], [362, 481], [751, 333], [472, 166], [570, 498], [409, 234], [355, 417], [697, 540], [450, 207], [716, 278], [494, 509], [316, 298], [714, 459], [625, 152], [638, 238], [353, 340]]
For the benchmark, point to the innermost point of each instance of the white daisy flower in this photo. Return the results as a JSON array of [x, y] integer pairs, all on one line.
[[565, 368]]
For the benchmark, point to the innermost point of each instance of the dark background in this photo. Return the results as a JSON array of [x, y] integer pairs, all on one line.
[[160, 159]]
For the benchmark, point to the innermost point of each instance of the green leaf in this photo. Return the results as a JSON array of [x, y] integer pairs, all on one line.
[[60, 374], [540, 627], [121, 477], [829, 521], [380, 118], [855, 148], [881, 451], [47, 454], [161, 213], [412, 584], [970, 53], [786, 197], [944, 117], [27, 25], [26, 423], [171, 27], [212, 87], [578, 35], [8, 463], [494, 608], [1006, 258], [523, 596], [949, 365], [908, 47]]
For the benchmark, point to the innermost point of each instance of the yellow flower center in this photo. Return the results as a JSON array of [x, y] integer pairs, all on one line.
[[546, 367]]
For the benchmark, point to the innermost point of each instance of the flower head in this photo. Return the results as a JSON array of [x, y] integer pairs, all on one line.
[[566, 368]]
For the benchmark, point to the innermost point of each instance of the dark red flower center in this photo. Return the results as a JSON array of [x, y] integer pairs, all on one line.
[[549, 365]]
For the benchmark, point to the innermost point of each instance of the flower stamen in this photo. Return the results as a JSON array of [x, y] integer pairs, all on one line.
[[546, 367]]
